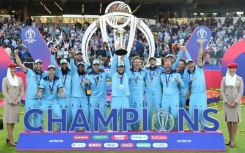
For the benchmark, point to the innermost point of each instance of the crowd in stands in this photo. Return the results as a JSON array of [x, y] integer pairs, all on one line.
[[168, 35]]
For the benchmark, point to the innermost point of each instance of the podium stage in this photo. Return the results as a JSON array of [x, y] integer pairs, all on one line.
[[135, 140]]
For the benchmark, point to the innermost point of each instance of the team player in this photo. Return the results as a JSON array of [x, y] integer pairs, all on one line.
[[182, 70], [120, 72], [48, 91], [79, 98], [79, 58], [153, 91], [64, 73], [97, 81], [171, 82], [198, 97], [171, 58], [136, 88], [33, 78]]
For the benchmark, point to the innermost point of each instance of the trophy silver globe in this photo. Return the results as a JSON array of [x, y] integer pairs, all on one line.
[[120, 42]]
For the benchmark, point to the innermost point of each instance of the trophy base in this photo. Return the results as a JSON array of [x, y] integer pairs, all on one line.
[[121, 51]]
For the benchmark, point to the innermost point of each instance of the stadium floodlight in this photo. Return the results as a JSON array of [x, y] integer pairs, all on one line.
[[82, 8], [136, 9], [46, 8], [215, 13], [101, 5], [239, 13], [58, 6]]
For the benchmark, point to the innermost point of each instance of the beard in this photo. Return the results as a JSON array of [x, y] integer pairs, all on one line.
[[80, 72], [64, 71]]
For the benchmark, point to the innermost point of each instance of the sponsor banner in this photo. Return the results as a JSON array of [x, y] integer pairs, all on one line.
[[186, 141]]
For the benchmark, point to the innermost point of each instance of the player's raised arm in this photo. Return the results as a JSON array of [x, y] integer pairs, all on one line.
[[200, 54], [18, 61]]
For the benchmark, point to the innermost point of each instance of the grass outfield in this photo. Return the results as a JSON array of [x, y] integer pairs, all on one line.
[[240, 139]]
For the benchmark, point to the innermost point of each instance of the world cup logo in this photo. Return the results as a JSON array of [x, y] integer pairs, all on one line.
[[202, 33], [30, 35], [164, 120]]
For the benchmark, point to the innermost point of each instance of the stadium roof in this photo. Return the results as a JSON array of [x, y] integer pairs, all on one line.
[[144, 1]]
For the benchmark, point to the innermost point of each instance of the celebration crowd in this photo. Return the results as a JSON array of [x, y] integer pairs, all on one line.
[[168, 35]]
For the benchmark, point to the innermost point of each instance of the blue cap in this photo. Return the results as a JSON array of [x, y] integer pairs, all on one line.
[[80, 63], [120, 63], [51, 66], [63, 61], [38, 61], [96, 61], [190, 60]]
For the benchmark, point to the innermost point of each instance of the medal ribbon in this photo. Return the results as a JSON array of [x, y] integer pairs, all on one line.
[[81, 79], [190, 79], [64, 82], [152, 75], [38, 81], [167, 78], [51, 88], [190, 82], [121, 79], [136, 79], [96, 80]]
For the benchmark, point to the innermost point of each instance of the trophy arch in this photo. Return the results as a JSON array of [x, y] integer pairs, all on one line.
[[112, 19]]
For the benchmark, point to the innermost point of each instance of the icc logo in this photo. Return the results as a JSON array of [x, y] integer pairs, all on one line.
[[164, 120], [30, 35], [202, 33]]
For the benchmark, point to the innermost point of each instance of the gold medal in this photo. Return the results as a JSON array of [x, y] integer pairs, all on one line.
[[151, 81], [121, 86]]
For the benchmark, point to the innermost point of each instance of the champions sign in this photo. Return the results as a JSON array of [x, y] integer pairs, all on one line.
[[80, 121]]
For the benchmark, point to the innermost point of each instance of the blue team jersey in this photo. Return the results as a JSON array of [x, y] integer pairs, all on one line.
[[170, 85], [120, 82], [197, 80], [78, 90], [175, 64], [66, 78], [153, 80], [137, 82], [97, 83], [32, 82], [50, 88], [66, 81], [185, 78]]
